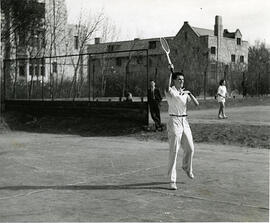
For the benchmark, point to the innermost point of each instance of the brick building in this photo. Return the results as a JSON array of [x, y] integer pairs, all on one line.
[[205, 56], [112, 74]]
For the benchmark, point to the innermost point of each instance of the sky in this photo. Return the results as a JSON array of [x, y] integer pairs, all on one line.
[[157, 18]]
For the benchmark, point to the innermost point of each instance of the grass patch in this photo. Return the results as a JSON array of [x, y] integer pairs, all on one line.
[[250, 136], [69, 125], [230, 102], [227, 134]]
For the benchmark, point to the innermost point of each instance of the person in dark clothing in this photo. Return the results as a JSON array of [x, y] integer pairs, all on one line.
[[154, 99]]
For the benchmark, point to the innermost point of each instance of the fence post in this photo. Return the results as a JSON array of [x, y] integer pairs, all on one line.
[[89, 75], [147, 81], [93, 82], [1, 67], [204, 85], [0, 82]]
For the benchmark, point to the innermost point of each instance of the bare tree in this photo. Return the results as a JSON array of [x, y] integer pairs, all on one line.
[[84, 32], [55, 39], [109, 33]]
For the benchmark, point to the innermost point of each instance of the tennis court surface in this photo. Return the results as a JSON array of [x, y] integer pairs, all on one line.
[[53, 177]]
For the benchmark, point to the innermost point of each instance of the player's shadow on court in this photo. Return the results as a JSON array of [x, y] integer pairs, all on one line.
[[138, 186]]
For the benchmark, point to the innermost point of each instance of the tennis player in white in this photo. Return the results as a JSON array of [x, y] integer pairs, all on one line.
[[179, 133], [221, 95]]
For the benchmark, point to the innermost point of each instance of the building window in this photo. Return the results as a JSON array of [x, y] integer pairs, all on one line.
[[241, 59], [213, 68], [22, 71], [42, 71], [76, 42], [54, 65], [37, 70], [34, 40], [233, 57], [213, 50], [238, 40], [152, 45], [139, 59], [111, 48], [195, 50], [186, 36], [42, 68], [118, 62]]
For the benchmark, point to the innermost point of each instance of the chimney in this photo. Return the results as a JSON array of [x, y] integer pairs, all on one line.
[[97, 40], [218, 28], [186, 22]]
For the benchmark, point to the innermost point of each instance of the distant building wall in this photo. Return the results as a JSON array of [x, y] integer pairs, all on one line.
[[205, 56]]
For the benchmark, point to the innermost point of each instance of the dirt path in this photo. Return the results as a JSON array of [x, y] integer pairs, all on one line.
[[52, 177]]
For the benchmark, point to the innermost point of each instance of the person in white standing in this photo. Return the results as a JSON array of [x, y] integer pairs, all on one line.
[[179, 133], [221, 95]]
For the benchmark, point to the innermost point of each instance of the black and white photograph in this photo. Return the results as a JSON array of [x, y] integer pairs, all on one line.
[[134, 110]]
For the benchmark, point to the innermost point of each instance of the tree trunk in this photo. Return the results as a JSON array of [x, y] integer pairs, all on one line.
[[16, 67]]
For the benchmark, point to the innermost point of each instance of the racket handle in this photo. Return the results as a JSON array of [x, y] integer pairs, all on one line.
[[169, 59], [170, 62], [171, 68]]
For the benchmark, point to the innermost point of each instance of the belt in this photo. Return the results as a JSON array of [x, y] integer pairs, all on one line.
[[178, 115]]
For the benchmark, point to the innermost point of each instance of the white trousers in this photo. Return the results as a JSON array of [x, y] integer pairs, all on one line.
[[179, 134]]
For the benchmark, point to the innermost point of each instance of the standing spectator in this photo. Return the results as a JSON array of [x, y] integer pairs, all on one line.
[[154, 99]]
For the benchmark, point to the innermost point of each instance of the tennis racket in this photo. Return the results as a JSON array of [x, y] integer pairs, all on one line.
[[166, 48]]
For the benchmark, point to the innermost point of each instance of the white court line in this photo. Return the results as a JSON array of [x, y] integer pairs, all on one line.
[[81, 182], [151, 190], [206, 199]]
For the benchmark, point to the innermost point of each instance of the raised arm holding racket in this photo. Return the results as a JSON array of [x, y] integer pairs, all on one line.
[[166, 48]]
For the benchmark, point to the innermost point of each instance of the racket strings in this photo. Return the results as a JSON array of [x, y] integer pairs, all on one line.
[[164, 45]]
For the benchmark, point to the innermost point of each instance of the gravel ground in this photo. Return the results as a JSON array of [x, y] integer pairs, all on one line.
[[70, 178]]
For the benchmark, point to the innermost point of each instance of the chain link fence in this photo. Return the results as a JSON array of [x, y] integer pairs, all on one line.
[[107, 76]]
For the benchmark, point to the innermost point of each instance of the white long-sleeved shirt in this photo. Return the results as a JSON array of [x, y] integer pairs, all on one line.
[[177, 101]]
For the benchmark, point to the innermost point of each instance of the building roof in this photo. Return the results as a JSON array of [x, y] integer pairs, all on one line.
[[203, 32], [135, 44]]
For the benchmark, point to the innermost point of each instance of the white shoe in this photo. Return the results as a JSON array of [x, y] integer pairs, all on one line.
[[173, 186], [189, 174]]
